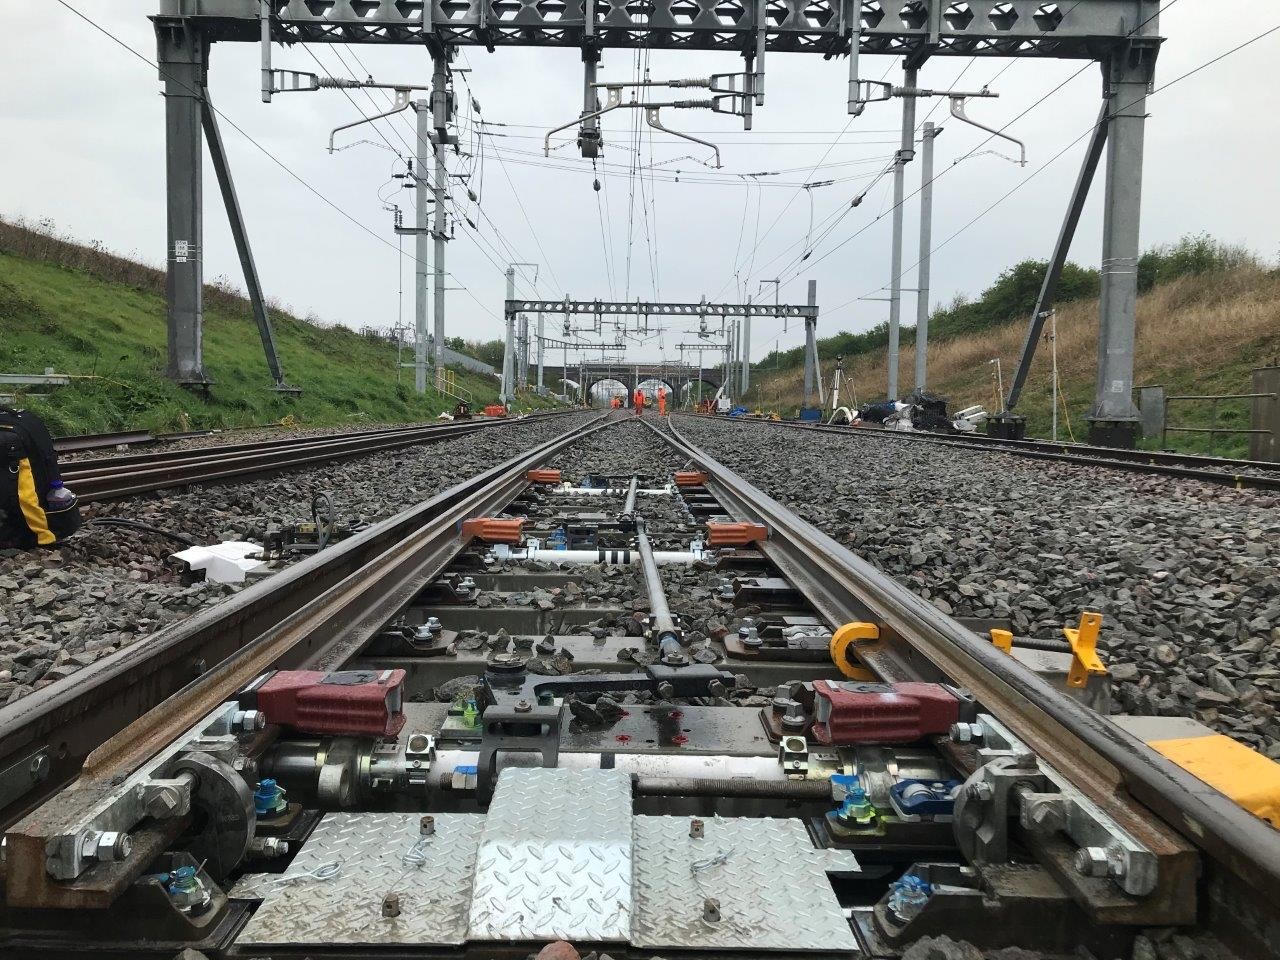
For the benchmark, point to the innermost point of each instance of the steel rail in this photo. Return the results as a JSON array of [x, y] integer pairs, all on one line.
[[116, 477], [100, 441], [1224, 471], [66, 721], [1100, 759]]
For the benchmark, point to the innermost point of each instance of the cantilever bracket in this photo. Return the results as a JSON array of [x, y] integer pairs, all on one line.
[[401, 104], [651, 117], [957, 111]]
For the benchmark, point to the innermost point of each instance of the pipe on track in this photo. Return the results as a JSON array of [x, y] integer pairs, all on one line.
[[629, 507], [664, 626]]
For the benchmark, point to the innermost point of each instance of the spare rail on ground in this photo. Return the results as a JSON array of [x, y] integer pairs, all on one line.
[[1226, 471], [110, 478]]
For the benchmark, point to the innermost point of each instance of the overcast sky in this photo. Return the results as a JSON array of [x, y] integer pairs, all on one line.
[[81, 123]]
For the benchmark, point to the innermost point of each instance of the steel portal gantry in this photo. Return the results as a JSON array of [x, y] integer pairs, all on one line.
[[1123, 35]]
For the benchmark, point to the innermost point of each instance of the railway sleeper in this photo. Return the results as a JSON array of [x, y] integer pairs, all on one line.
[[638, 756]]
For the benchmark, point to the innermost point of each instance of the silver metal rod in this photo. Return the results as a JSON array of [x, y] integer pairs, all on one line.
[[664, 627], [629, 506]]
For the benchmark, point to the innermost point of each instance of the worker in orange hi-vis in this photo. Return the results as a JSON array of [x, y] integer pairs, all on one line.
[[638, 401], [662, 402]]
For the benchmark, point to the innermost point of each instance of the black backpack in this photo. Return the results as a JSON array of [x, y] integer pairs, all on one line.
[[28, 465]]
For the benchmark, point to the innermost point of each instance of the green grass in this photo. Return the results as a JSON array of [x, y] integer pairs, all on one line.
[[113, 335]]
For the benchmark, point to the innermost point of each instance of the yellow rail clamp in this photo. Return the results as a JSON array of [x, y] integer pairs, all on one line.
[[842, 643], [1002, 639], [1085, 662]]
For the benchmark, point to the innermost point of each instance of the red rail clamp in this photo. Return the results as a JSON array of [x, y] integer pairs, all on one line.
[[735, 534], [848, 712], [690, 478], [346, 703], [494, 530]]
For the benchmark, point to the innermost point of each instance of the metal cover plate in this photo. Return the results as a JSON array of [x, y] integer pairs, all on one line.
[[369, 848], [555, 858], [769, 878]]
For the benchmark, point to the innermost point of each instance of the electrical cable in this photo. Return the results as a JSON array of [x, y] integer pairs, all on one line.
[[138, 525]]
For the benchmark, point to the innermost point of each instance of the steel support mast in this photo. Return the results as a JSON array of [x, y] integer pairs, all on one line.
[[421, 237], [926, 245], [906, 152]]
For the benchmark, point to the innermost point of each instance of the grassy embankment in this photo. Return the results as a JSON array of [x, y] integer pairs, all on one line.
[[1201, 332], [84, 311]]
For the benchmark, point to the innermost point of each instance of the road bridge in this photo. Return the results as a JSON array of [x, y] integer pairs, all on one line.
[[676, 376]]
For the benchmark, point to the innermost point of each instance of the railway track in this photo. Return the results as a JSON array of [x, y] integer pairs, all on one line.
[[1227, 471], [111, 478], [877, 771]]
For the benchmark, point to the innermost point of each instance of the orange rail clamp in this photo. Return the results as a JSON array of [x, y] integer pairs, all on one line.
[[735, 534], [543, 475], [495, 410], [690, 478], [494, 530]]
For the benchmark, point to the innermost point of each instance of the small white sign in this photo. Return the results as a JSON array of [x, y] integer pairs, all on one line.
[[1117, 386], [181, 250]]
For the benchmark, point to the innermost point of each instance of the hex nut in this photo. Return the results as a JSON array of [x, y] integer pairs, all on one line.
[[711, 910], [980, 791], [248, 721], [697, 829], [108, 846], [1091, 862], [523, 706], [427, 825], [966, 732]]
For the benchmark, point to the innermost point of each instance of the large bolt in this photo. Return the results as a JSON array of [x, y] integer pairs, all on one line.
[[1091, 862], [675, 659], [1045, 815], [523, 706], [269, 846], [391, 906], [164, 803], [665, 690], [434, 625], [794, 718]]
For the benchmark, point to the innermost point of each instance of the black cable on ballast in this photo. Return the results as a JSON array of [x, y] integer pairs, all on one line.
[[125, 522]]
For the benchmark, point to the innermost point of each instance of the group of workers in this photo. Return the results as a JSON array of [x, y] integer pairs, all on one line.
[[638, 401]]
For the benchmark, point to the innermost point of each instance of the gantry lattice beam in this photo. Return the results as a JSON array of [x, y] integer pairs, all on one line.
[[642, 308], [1071, 29]]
